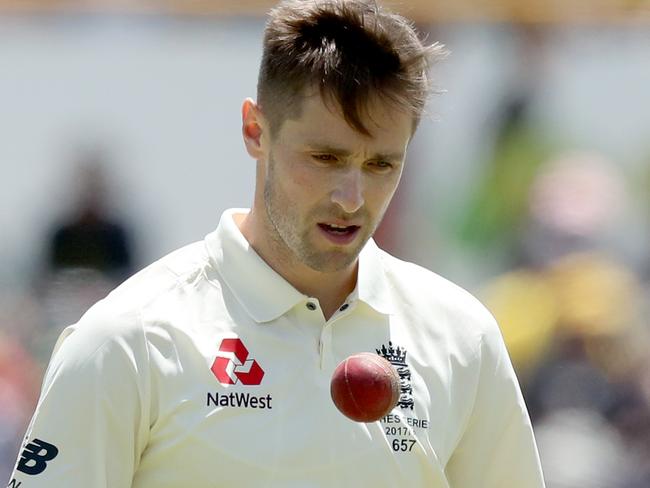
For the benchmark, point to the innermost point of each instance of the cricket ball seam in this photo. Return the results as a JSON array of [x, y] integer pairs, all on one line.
[[350, 392]]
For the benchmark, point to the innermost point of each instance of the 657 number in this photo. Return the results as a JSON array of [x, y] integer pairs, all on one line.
[[403, 445]]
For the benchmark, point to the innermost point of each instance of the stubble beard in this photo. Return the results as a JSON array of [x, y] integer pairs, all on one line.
[[290, 237]]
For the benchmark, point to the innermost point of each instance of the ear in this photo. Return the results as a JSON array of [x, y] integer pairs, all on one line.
[[252, 128]]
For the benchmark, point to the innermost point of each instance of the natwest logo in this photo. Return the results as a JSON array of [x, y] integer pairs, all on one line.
[[233, 366]]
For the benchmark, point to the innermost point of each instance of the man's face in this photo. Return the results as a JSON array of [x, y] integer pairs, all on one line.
[[327, 187]]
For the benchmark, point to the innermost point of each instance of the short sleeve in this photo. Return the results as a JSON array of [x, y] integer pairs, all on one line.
[[92, 418], [497, 447]]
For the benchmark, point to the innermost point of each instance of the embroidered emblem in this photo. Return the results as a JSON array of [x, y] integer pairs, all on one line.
[[397, 357]]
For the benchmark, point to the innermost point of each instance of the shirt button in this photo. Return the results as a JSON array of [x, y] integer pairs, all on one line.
[[311, 306], [343, 307]]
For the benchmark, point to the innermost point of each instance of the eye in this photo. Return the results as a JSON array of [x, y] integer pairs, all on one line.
[[380, 165], [324, 158]]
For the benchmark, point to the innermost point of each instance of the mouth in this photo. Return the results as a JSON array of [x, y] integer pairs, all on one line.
[[339, 234]]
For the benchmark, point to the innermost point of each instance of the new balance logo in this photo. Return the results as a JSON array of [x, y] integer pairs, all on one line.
[[232, 365], [33, 460]]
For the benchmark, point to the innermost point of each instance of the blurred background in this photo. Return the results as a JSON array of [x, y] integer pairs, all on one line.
[[528, 183]]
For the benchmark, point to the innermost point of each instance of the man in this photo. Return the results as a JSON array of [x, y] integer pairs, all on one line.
[[211, 367]]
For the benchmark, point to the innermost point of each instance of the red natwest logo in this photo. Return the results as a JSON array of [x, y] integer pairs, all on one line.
[[232, 365]]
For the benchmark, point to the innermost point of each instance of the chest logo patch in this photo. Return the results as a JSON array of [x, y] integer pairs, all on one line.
[[397, 357], [233, 366]]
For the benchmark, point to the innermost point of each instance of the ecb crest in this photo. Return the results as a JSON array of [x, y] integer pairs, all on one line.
[[397, 357]]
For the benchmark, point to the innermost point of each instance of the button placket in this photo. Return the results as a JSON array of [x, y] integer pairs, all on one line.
[[309, 322], [326, 345]]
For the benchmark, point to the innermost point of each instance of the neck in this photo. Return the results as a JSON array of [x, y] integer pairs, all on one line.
[[330, 288]]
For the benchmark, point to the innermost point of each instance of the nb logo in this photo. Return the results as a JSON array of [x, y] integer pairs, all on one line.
[[33, 459], [232, 365]]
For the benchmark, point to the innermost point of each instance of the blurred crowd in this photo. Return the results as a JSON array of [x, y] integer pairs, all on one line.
[[575, 318], [87, 253], [572, 303]]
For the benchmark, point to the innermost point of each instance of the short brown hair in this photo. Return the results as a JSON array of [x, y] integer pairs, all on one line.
[[352, 51]]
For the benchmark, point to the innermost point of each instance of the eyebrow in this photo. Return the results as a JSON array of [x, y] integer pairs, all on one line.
[[327, 148]]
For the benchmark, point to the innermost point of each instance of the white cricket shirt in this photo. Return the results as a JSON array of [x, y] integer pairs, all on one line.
[[208, 369]]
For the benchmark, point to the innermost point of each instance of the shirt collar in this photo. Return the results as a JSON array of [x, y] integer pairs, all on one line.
[[266, 295], [372, 282]]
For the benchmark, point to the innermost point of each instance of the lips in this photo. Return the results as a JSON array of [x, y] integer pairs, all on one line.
[[339, 234], [339, 229]]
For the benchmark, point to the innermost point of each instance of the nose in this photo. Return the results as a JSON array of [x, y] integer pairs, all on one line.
[[348, 193]]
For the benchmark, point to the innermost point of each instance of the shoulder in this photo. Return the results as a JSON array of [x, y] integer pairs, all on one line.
[[175, 269], [438, 305], [115, 323], [431, 291]]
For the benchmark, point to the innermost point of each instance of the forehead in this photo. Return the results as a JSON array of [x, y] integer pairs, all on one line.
[[318, 120]]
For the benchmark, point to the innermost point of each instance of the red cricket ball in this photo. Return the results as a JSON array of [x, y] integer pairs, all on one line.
[[365, 387]]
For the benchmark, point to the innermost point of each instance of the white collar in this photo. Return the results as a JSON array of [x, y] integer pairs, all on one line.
[[266, 295]]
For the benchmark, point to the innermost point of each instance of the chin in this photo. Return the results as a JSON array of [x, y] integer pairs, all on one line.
[[331, 262]]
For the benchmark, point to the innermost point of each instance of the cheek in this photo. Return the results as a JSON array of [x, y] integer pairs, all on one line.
[[304, 181], [294, 189], [380, 194]]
